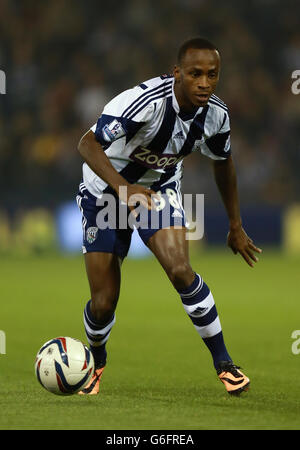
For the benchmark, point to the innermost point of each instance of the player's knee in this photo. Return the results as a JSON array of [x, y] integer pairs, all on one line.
[[103, 306], [181, 275]]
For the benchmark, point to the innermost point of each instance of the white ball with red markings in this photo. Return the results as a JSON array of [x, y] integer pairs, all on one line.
[[64, 365]]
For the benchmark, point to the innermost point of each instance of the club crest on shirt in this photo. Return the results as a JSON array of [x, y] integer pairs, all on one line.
[[91, 234], [112, 131]]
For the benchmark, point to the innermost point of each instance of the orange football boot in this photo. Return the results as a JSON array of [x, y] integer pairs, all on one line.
[[93, 387], [234, 380]]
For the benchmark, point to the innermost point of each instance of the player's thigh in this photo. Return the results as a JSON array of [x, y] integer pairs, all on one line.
[[169, 243], [170, 247], [165, 235]]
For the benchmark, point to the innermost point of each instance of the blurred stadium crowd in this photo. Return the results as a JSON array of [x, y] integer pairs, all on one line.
[[65, 59]]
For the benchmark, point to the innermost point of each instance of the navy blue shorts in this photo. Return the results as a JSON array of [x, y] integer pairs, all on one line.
[[108, 224]]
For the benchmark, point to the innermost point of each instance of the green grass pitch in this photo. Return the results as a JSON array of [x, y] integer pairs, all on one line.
[[159, 374]]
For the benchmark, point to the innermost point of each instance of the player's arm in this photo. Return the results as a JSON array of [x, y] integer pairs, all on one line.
[[93, 154], [237, 239]]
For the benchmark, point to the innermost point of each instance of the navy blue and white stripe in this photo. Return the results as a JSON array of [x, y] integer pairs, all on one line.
[[97, 334], [143, 100], [214, 100], [199, 304], [79, 198]]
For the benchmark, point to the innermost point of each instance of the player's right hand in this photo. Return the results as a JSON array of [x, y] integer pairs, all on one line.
[[134, 193]]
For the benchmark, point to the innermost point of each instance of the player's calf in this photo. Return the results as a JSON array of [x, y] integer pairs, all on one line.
[[102, 307], [180, 274], [199, 304]]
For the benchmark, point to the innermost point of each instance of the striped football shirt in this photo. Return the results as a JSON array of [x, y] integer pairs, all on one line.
[[146, 136]]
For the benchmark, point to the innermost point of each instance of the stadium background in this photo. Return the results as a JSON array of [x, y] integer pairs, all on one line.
[[63, 61]]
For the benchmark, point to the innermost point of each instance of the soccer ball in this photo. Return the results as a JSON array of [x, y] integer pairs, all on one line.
[[64, 365]]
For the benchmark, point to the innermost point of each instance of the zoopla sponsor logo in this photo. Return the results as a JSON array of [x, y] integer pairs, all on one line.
[[169, 211], [153, 160], [2, 82]]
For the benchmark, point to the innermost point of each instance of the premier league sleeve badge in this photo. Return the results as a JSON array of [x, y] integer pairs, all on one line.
[[112, 131]]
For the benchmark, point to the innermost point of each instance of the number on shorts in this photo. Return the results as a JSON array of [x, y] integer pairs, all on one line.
[[172, 196], [161, 203]]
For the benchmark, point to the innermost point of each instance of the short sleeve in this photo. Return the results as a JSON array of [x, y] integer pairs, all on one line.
[[218, 146], [122, 117]]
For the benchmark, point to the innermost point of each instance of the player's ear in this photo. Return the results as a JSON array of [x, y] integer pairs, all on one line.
[[176, 73]]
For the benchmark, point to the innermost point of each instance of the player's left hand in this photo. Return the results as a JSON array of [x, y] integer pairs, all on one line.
[[239, 242]]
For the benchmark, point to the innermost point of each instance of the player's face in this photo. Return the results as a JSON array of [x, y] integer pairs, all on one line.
[[196, 78]]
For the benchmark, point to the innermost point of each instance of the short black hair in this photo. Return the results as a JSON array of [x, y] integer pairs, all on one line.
[[196, 42]]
